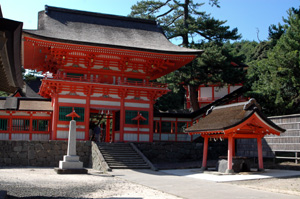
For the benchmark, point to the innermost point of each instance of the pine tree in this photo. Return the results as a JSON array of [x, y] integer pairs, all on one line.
[[275, 80], [195, 29]]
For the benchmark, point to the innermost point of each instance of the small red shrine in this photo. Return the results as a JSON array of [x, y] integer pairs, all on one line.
[[235, 121], [101, 64]]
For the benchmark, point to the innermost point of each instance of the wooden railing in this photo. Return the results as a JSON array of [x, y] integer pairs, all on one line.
[[104, 81]]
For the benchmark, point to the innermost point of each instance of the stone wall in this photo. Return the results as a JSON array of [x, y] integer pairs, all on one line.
[[97, 159], [161, 152], [289, 141], [40, 153]]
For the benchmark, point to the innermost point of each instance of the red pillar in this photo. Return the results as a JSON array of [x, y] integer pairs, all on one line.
[[87, 116], [229, 158], [150, 119], [205, 149], [233, 147], [55, 116], [107, 136], [260, 154]]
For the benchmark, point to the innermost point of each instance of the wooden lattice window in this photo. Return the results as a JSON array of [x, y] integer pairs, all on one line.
[[40, 125], [74, 75], [3, 124], [65, 110], [20, 124]]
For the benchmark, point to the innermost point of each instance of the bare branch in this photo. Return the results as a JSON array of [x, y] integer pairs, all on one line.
[[159, 7], [257, 34], [174, 19], [164, 13]]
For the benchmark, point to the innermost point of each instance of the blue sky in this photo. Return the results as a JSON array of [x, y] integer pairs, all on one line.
[[247, 15]]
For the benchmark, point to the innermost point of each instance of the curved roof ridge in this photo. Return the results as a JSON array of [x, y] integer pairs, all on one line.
[[98, 14]]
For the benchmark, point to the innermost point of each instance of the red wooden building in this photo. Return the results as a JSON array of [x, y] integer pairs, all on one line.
[[100, 64], [235, 121]]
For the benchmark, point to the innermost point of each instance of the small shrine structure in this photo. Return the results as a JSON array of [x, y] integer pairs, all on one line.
[[235, 121]]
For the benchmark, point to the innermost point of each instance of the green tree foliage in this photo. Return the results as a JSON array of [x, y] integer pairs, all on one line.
[[195, 29], [275, 80]]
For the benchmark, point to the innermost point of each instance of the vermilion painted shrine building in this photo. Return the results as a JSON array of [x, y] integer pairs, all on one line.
[[99, 64]]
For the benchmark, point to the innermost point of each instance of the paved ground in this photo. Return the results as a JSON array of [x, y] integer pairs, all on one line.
[[143, 184], [188, 183]]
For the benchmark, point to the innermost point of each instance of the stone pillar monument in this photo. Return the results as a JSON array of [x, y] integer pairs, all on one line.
[[71, 164]]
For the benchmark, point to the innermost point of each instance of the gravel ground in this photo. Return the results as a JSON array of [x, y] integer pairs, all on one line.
[[45, 183]]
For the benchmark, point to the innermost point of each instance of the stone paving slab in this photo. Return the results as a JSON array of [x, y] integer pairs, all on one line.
[[218, 177], [181, 184]]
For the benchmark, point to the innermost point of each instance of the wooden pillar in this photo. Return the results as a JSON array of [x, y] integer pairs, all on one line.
[[260, 154], [10, 125], [150, 119], [30, 126], [233, 147], [55, 116], [87, 116], [122, 116], [229, 156], [205, 149], [113, 126], [107, 136]]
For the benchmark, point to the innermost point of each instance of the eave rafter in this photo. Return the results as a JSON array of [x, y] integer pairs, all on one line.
[[44, 55]]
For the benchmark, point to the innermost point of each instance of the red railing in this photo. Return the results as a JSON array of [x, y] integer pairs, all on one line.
[[61, 76]]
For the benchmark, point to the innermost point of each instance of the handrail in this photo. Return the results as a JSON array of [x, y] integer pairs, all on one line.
[[100, 80]]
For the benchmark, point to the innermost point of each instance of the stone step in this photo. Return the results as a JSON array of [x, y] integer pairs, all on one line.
[[122, 156], [125, 161], [130, 167]]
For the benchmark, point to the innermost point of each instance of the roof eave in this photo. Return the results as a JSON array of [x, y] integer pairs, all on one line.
[[195, 53]]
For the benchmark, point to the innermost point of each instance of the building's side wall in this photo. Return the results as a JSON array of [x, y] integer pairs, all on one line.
[[25, 125], [208, 94], [171, 129]]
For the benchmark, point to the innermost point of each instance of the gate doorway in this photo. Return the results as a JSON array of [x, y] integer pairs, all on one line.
[[101, 125]]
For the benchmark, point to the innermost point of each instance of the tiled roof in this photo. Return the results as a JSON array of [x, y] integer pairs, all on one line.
[[104, 30], [225, 117], [25, 104]]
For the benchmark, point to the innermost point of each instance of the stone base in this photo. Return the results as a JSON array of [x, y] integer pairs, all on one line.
[[70, 171], [70, 162], [239, 164]]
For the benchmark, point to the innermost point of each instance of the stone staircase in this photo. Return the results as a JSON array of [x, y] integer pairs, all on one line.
[[122, 156]]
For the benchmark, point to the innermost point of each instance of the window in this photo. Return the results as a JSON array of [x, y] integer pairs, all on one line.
[[156, 127], [129, 115], [74, 75], [166, 127], [65, 110], [40, 125], [20, 125], [134, 80], [181, 126], [3, 124]]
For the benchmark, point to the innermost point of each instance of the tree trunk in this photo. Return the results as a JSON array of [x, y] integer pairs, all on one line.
[[185, 36], [193, 97]]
